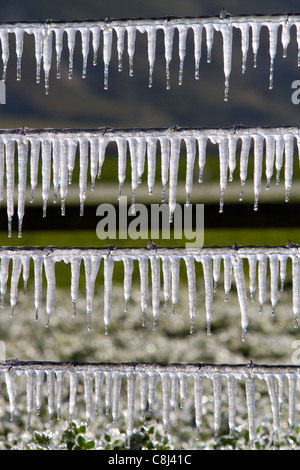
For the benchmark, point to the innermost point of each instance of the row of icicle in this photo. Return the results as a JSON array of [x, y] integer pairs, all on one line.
[[56, 152], [175, 382], [49, 35], [158, 272]]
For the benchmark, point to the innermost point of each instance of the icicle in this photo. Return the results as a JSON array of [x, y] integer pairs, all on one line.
[[19, 34], [227, 33], [144, 378], [252, 260], [258, 162], [285, 37], [34, 164], [198, 30], [25, 260], [141, 157], [296, 291], [47, 56], [175, 268], [71, 34], [15, 276], [107, 45], [165, 158], [95, 41], [281, 390], [255, 27], [38, 272], [55, 167], [198, 395], [216, 270], [274, 264], [22, 177], [292, 381], [155, 279], [58, 49], [88, 394], [279, 155], [120, 31], [85, 46], [283, 262], [209, 30], [117, 380], [166, 268], [166, 382], [183, 379], [182, 30], [103, 142], [190, 160], [10, 386], [143, 269], [94, 155], [51, 393], [122, 152], [133, 147], [153, 376], [168, 37], [191, 276], [242, 295], [74, 379], [108, 275], [209, 290], [10, 175], [99, 376], [224, 159], [91, 266], [250, 396], [83, 163], [246, 145], [232, 155], [31, 381], [75, 273], [227, 275], [49, 265], [38, 40], [273, 31], [271, 382], [217, 390], [174, 162], [174, 391], [270, 156], [3, 277], [232, 391], [71, 157], [289, 160], [60, 377], [128, 269], [151, 162], [202, 142], [63, 173], [245, 27], [5, 51], [131, 385], [151, 35], [262, 273], [39, 389], [46, 172], [131, 35]]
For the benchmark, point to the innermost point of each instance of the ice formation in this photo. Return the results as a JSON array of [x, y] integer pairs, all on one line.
[[103, 385], [57, 151], [158, 268], [49, 39]]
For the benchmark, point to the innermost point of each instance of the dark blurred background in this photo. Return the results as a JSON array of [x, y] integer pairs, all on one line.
[[130, 103]]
